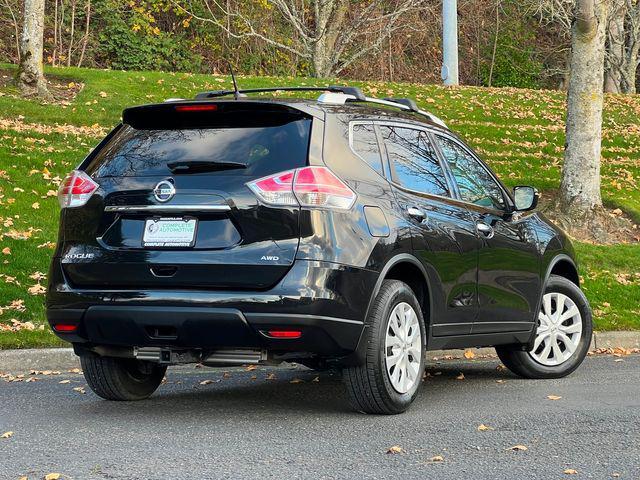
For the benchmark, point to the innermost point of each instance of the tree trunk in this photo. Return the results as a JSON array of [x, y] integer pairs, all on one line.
[[616, 53], [580, 186], [631, 63], [329, 21], [30, 73]]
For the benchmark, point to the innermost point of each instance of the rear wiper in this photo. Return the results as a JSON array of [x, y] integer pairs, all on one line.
[[195, 166]]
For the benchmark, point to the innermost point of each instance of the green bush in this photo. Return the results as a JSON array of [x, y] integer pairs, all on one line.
[[130, 40]]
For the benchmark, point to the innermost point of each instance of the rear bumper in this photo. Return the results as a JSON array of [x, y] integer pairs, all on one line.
[[326, 302]]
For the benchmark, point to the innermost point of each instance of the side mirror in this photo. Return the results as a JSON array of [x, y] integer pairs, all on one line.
[[525, 198]]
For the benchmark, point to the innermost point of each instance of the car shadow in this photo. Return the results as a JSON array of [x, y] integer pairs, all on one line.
[[273, 391]]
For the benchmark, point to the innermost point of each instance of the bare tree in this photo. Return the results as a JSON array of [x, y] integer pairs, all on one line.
[[615, 53], [327, 33], [30, 73], [85, 38], [559, 14], [580, 186], [15, 24], [631, 57]]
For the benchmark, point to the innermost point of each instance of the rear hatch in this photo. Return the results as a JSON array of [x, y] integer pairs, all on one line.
[[173, 209]]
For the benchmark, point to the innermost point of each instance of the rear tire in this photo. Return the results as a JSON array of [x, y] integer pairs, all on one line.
[[121, 378], [375, 386], [541, 364]]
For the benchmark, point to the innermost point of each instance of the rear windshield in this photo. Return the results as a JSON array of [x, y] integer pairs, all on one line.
[[262, 149]]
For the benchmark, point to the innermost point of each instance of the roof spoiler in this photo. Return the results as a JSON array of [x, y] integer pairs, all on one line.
[[354, 91]]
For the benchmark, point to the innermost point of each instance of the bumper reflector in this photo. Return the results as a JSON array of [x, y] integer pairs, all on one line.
[[65, 328], [284, 333]]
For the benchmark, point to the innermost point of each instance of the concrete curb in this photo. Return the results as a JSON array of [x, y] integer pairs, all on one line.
[[62, 359]]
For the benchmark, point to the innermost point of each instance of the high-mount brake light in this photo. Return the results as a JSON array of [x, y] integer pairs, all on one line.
[[76, 189], [313, 187], [196, 108]]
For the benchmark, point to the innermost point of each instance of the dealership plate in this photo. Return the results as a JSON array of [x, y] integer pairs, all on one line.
[[169, 232]]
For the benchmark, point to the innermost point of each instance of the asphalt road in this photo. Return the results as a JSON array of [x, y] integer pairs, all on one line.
[[244, 427]]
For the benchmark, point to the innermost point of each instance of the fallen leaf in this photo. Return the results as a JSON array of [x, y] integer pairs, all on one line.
[[64, 382], [103, 94], [6, 435], [226, 375], [570, 471], [6, 251], [206, 382], [437, 458], [316, 380], [468, 354], [484, 428], [35, 205], [553, 397], [271, 376], [296, 380], [460, 377], [52, 476], [395, 449], [500, 381], [518, 448], [37, 289], [79, 390], [250, 368]]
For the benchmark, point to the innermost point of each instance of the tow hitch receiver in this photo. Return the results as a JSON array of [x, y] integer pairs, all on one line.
[[152, 354]]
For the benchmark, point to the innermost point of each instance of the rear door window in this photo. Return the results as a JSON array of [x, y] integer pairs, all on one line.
[[263, 150], [414, 160], [364, 143]]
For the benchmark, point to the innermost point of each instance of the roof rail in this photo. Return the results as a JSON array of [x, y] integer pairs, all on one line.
[[413, 106], [406, 104], [354, 91]]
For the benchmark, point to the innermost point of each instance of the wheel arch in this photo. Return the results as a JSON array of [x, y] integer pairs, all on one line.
[[408, 269], [403, 266], [563, 266]]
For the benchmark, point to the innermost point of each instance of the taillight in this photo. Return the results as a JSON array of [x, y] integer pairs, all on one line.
[[312, 187], [276, 189], [76, 189]]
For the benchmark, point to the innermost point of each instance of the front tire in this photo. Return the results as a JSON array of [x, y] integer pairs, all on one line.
[[563, 334], [389, 379], [121, 378]]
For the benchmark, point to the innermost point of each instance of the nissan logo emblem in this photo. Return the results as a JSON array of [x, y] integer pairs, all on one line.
[[164, 191]]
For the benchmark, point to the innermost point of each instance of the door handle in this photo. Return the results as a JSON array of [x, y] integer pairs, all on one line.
[[416, 213], [484, 229]]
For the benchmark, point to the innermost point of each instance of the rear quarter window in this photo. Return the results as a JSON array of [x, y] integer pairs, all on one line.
[[364, 144], [147, 152]]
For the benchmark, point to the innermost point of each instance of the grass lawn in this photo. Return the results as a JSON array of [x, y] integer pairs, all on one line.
[[519, 132]]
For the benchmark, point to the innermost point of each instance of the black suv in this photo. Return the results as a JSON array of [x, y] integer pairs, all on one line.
[[346, 232]]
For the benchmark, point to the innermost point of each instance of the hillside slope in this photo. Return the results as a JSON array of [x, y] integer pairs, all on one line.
[[519, 132]]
